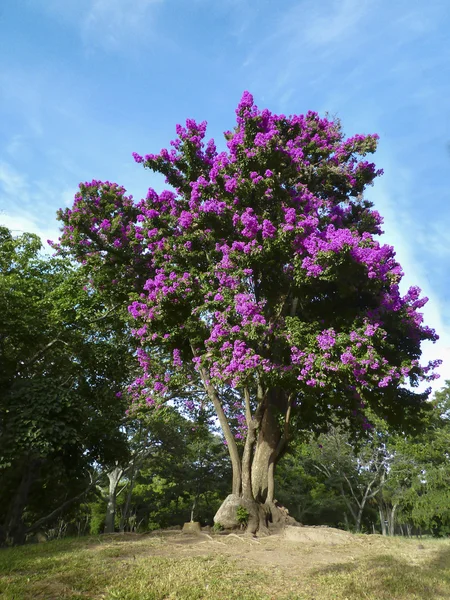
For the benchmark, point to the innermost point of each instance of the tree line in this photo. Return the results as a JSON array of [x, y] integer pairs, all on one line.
[[74, 462]]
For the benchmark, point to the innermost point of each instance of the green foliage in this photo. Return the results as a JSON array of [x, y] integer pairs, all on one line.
[[306, 492], [418, 480], [97, 516], [65, 353], [63, 357], [187, 467], [242, 515]]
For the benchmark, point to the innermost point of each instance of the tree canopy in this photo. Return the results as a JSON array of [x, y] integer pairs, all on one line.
[[257, 282]]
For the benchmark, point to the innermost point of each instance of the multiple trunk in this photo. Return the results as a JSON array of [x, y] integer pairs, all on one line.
[[115, 475], [387, 517], [356, 508], [266, 455], [253, 473]]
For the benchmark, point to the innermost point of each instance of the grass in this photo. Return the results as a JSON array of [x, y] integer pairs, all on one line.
[[385, 577], [150, 568]]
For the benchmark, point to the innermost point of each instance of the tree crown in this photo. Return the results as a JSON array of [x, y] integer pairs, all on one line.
[[259, 269]]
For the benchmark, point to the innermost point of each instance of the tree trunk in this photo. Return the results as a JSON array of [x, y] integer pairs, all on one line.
[[226, 429], [346, 522], [391, 519], [126, 508], [14, 530], [358, 519], [114, 477], [361, 506], [247, 461], [265, 458], [382, 520], [263, 447]]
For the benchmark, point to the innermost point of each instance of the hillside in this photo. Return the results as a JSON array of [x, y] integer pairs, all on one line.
[[304, 564]]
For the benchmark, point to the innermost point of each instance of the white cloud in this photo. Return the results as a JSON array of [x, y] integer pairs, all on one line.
[[22, 222], [12, 183], [20, 200]]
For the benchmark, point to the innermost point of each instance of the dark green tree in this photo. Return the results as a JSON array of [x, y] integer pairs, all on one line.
[[64, 357]]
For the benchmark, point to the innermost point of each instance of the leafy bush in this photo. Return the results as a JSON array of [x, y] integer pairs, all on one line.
[[242, 516]]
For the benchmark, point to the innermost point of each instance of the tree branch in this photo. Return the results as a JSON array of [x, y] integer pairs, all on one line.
[[63, 506]]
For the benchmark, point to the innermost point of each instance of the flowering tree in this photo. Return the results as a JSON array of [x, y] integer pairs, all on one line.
[[258, 279]]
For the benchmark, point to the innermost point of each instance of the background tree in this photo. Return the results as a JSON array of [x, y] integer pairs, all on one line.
[[356, 470], [418, 483], [64, 356], [258, 282], [178, 470], [402, 477], [307, 492]]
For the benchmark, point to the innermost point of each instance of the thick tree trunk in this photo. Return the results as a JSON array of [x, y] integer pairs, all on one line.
[[263, 447], [265, 458], [114, 477], [254, 471]]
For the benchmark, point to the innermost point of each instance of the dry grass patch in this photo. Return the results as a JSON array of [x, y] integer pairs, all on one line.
[[225, 568]]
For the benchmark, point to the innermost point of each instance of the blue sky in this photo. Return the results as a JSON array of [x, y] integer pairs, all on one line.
[[84, 83]]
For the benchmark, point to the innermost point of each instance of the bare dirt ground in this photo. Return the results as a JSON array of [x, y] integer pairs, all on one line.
[[296, 549]]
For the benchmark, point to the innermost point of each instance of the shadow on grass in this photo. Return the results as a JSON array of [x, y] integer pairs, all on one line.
[[18, 557], [389, 577]]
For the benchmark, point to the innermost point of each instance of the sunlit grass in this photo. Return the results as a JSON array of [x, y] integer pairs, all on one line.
[[116, 568]]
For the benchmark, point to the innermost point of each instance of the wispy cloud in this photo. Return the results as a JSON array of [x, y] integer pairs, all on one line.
[[303, 43], [338, 24], [110, 21], [12, 183], [111, 24]]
